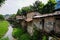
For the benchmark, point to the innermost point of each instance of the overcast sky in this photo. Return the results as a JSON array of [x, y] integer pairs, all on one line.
[[11, 6]]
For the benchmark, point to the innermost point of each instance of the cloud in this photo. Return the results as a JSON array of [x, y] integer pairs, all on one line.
[[11, 6]]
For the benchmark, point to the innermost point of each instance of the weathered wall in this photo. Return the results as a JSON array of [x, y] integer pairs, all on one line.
[[57, 26], [48, 24], [30, 15], [30, 28], [38, 23]]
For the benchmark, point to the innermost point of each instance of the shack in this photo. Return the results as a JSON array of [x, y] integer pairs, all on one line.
[[50, 22]]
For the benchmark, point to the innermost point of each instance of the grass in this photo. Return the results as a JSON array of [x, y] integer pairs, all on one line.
[[3, 28]]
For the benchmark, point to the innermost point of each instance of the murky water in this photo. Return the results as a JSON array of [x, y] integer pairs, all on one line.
[[9, 33]]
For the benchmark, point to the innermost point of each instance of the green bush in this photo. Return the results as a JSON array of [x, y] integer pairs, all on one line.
[[25, 37], [44, 37], [1, 17], [36, 35], [17, 32]]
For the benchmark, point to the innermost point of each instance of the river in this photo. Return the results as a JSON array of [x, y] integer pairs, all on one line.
[[9, 33]]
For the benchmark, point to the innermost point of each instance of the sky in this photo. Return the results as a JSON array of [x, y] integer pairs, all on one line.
[[11, 6]]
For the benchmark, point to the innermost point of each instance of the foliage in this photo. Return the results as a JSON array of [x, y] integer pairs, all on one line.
[[20, 34], [25, 10], [1, 17], [44, 38], [1, 1], [37, 35], [49, 7], [19, 12], [13, 15], [3, 27], [25, 37], [38, 6], [17, 32]]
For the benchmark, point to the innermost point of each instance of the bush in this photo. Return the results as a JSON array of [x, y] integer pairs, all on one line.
[[37, 35], [1, 17], [25, 37], [17, 32], [44, 37]]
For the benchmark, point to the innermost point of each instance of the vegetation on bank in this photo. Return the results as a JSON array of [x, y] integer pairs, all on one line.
[[38, 6], [3, 28], [19, 34], [1, 17]]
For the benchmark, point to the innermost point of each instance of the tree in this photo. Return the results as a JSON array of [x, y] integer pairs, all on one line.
[[38, 6], [13, 15], [1, 17], [25, 10], [1, 1], [19, 12], [49, 7]]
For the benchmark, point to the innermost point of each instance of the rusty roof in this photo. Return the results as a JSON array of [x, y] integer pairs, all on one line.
[[45, 15], [19, 17], [29, 19]]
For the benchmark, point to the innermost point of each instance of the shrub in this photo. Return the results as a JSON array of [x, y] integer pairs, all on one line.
[[1, 17], [25, 37], [44, 37], [17, 32], [36, 35]]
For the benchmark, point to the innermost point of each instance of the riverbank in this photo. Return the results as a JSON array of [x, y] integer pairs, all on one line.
[[3, 28]]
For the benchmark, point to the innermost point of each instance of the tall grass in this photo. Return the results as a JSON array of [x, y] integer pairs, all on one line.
[[3, 27]]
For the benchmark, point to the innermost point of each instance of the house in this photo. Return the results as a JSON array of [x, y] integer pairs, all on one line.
[[31, 14], [21, 21], [29, 20], [45, 23], [37, 21], [30, 27], [50, 22]]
